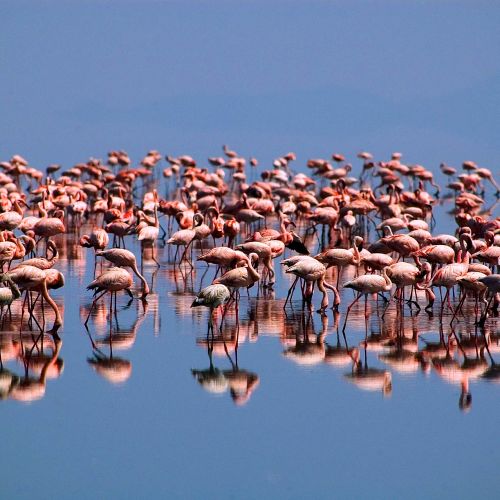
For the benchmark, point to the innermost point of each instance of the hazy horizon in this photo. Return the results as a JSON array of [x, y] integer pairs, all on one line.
[[315, 78]]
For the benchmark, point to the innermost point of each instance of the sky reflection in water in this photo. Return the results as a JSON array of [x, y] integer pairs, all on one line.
[[276, 407]]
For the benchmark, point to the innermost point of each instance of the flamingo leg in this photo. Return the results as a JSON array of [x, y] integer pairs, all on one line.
[[290, 292], [93, 305], [482, 321], [322, 289], [349, 309], [336, 295], [32, 315], [110, 314], [154, 252], [236, 310], [185, 251], [458, 308]]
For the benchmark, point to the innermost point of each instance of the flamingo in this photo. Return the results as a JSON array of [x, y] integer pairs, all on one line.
[[491, 254], [28, 223], [470, 282], [326, 216], [223, 257], [32, 278], [41, 262], [341, 257], [121, 257], [243, 276], [7, 250], [183, 237], [110, 281], [447, 275], [402, 244], [395, 223], [288, 263], [289, 238], [264, 253], [313, 271], [119, 228], [8, 294], [368, 284], [148, 233], [492, 283], [485, 173], [47, 226], [10, 220], [405, 274], [212, 296], [376, 261], [200, 232], [231, 230], [435, 254], [248, 216], [98, 239]]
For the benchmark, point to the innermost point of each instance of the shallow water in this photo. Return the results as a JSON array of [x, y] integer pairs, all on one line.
[[276, 410]]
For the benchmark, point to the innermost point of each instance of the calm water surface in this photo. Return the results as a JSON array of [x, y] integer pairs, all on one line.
[[275, 411]]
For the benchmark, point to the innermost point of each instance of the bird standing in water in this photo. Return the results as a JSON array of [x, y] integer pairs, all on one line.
[[213, 297], [122, 257], [112, 280], [367, 284]]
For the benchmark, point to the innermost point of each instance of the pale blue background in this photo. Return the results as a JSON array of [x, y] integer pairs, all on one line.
[[79, 78]]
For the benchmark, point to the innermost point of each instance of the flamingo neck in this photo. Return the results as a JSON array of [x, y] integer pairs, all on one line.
[[41, 208], [357, 256], [251, 271], [463, 256], [157, 221], [145, 286], [17, 208], [388, 281], [21, 250], [53, 305], [50, 362], [55, 254], [283, 228]]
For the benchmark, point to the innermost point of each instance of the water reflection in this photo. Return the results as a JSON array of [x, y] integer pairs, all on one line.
[[39, 361], [240, 382], [103, 360], [112, 368], [308, 347], [380, 347]]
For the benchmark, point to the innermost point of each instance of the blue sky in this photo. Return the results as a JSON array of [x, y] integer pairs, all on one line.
[[80, 78]]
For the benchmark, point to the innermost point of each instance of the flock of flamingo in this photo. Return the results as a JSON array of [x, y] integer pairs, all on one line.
[[234, 218]]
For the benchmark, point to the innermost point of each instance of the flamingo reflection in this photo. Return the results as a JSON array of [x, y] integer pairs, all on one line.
[[241, 383]]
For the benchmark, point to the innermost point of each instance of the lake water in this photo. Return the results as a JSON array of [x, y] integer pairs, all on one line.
[[276, 411]]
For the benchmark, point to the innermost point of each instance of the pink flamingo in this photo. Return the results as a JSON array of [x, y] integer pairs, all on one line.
[[110, 281], [121, 257], [367, 284], [312, 271]]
